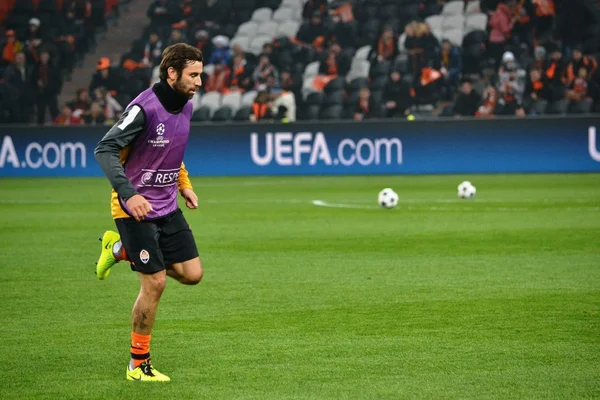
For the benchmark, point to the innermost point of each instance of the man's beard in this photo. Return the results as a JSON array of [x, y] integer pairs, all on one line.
[[181, 89]]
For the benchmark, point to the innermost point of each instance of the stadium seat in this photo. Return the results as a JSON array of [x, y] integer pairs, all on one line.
[[559, 107], [380, 69], [315, 98], [362, 53], [357, 83], [248, 98], [334, 97], [292, 3], [268, 28], [242, 41], [256, 45], [581, 107], [209, 69], [247, 29], [359, 69], [232, 100], [473, 7], [332, 112], [223, 114], [455, 36], [284, 14], [288, 29], [312, 112], [476, 22], [453, 8], [243, 114], [434, 21], [401, 42], [262, 15], [212, 100], [334, 85], [311, 70], [202, 114], [453, 22], [379, 83]]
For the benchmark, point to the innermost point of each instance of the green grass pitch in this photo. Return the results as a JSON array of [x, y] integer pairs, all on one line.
[[492, 298]]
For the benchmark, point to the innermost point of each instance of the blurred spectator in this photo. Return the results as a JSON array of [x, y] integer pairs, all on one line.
[[577, 92], [240, 73], [284, 106], [47, 81], [18, 77], [385, 49], [176, 36], [184, 14], [397, 98], [554, 73], [105, 76], [468, 100], [342, 33], [66, 117], [33, 40], [311, 36], [220, 52], [211, 15], [501, 24], [545, 12], [261, 109], [509, 104], [265, 75], [153, 49], [524, 16], [509, 76], [314, 7], [536, 96], [95, 116], [415, 47], [202, 43], [578, 61], [111, 107], [333, 62], [489, 102], [81, 103], [11, 48], [539, 58], [367, 107], [450, 65], [219, 79], [161, 15]]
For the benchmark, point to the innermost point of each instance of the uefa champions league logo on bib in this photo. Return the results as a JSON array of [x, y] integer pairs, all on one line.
[[160, 141], [160, 130]]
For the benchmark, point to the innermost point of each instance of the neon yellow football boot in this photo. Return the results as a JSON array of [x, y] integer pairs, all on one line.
[[146, 372], [107, 258]]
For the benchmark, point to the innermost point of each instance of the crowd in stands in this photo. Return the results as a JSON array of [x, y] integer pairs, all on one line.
[[41, 42], [287, 60]]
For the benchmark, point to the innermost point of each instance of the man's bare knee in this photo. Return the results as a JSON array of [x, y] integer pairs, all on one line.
[[154, 284], [194, 278]]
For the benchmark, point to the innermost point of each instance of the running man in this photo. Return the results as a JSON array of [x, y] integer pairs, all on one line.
[[142, 156]]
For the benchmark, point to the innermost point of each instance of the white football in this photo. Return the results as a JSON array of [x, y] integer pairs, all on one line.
[[466, 190], [387, 198]]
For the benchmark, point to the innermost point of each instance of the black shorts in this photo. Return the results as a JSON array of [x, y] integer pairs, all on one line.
[[153, 245]]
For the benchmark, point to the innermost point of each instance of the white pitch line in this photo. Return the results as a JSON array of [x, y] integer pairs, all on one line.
[[321, 203]]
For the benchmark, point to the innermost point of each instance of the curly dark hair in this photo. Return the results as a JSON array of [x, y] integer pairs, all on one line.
[[178, 55]]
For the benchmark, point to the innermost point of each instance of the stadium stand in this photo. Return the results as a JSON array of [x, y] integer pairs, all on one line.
[[290, 60]]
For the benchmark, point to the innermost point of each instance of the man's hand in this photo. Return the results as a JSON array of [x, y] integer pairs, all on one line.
[[191, 200], [138, 206]]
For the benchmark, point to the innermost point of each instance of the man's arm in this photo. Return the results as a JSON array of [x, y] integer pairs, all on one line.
[[183, 182], [108, 150]]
